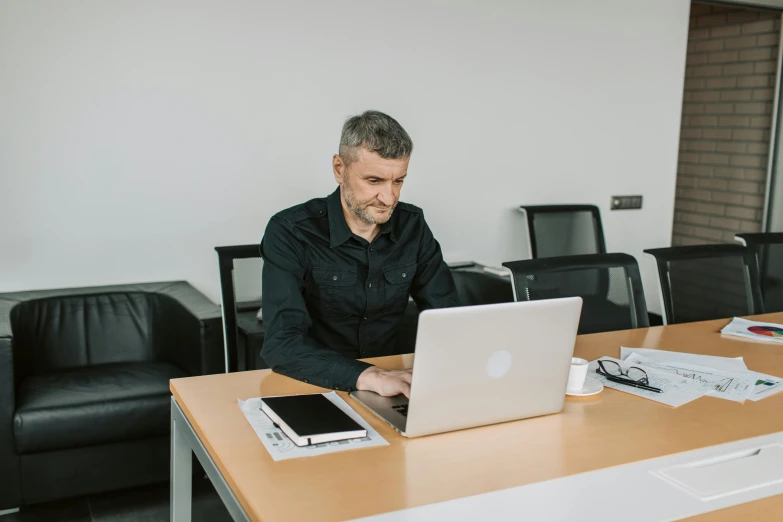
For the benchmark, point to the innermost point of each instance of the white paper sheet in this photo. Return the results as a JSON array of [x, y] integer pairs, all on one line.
[[676, 390], [740, 327], [766, 385], [280, 446], [727, 364], [732, 386]]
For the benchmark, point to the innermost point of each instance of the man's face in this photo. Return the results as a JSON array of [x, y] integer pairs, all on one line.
[[370, 185]]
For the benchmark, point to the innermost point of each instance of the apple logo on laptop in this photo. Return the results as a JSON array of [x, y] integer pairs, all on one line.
[[498, 364]]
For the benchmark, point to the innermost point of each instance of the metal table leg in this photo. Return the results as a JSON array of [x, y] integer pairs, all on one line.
[[184, 440], [181, 468]]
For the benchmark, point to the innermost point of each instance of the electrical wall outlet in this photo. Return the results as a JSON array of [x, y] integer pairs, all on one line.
[[626, 202]]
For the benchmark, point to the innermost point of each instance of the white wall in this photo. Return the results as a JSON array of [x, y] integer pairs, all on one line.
[[136, 136]]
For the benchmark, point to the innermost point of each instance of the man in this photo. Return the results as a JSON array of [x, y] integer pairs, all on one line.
[[338, 270]]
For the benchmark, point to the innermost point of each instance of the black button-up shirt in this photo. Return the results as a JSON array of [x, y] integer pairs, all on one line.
[[330, 296]]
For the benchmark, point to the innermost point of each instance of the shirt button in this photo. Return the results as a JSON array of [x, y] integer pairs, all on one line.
[[365, 318], [363, 352], [369, 284], [371, 250], [320, 212], [334, 278], [306, 381], [403, 274]]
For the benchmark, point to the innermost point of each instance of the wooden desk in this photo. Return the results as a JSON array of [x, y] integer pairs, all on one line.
[[609, 429]]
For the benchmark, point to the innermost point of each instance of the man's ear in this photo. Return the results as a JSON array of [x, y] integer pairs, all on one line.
[[338, 167]]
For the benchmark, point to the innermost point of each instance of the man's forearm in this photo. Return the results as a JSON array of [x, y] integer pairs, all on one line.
[[300, 357]]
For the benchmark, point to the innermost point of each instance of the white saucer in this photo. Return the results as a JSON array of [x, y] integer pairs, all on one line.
[[591, 387]]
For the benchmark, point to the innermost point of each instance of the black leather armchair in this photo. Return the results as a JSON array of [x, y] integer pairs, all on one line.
[[84, 393]]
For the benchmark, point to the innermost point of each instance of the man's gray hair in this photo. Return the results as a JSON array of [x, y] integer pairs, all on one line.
[[376, 132]]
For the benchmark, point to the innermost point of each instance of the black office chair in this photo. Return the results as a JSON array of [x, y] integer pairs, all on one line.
[[768, 248], [240, 289], [609, 284], [477, 286], [563, 230], [703, 282]]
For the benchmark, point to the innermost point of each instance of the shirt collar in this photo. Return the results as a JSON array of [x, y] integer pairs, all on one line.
[[339, 231]]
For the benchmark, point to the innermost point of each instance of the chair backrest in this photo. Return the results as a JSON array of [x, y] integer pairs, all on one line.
[[609, 284], [475, 286], [768, 249], [240, 292], [703, 282], [563, 230], [73, 331]]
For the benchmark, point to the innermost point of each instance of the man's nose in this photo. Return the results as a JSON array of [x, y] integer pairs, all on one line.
[[386, 195]]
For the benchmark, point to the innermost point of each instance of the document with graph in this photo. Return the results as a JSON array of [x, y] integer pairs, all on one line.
[[766, 385], [729, 374], [676, 390], [740, 327], [732, 386]]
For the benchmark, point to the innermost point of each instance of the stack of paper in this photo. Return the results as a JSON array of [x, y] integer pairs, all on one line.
[[676, 390], [684, 377], [754, 330], [733, 386], [280, 447]]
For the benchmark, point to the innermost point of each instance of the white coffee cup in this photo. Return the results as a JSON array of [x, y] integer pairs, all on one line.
[[577, 375]]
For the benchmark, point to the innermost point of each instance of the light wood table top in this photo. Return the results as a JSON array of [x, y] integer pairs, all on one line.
[[608, 429]]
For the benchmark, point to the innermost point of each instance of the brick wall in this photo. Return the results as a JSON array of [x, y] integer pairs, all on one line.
[[726, 121]]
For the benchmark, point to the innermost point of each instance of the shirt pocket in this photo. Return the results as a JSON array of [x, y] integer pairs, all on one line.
[[335, 291], [397, 287]]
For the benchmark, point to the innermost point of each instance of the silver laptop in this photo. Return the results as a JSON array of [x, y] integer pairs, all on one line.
[[478, 365]]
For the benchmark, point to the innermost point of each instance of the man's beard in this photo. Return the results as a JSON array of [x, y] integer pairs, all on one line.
[[364, 212]]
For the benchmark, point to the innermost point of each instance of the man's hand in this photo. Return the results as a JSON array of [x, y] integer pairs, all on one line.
[[385, 382]]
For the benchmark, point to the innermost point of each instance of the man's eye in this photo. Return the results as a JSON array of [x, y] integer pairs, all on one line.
[[399, 181], [372, 181]]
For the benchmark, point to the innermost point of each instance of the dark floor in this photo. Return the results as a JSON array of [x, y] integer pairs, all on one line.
[[147, 504]]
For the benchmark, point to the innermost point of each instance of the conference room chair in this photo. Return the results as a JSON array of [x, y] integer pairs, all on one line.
[[768, 250], [477, 286], [609, 284], [240, 295], [703, 282], [563, 230]]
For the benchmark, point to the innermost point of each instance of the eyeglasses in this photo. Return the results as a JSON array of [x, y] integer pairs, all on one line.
[[613, 369]]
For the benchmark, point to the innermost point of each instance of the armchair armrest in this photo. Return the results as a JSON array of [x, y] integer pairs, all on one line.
[[189, 330]]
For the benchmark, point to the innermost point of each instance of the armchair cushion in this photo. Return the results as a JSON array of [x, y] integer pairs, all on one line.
[[93, 405]]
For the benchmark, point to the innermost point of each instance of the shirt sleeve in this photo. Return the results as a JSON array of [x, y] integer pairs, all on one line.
[[433, 286], [287, 348]]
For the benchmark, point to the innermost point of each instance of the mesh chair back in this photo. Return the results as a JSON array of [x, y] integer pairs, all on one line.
[[609, 284], [564, 230], [704, 282], [240, 289], [768, 249]]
